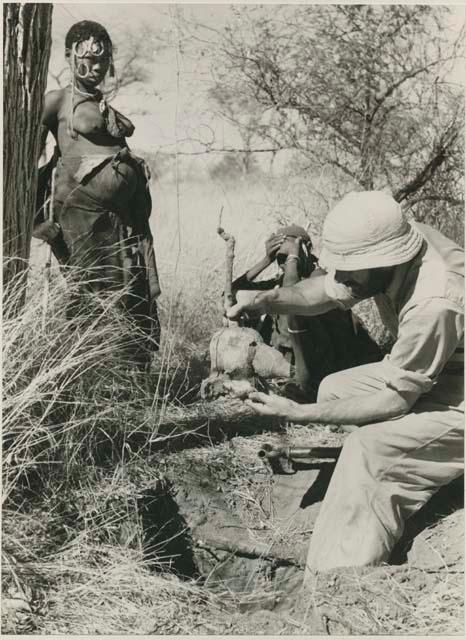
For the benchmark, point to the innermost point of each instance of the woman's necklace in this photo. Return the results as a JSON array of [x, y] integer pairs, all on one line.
[[97, 94], [86, 93]]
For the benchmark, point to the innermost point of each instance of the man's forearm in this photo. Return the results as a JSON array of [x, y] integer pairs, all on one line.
[[307, 298], [358, 410]]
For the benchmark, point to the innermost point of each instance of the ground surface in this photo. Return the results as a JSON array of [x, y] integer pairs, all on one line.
[[233, 536]]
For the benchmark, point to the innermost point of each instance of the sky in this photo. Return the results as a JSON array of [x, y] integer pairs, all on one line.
[[172, 107]]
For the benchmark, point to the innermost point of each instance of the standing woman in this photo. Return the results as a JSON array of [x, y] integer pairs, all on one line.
[[101, 196]]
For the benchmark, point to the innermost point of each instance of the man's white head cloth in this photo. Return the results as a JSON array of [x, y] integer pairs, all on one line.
[[367, 229]]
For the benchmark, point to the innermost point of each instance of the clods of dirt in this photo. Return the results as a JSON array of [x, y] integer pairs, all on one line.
[[247, 527], [248, 531]]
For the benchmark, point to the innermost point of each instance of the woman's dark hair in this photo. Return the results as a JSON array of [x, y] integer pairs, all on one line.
[[84, 30], [308, 261]]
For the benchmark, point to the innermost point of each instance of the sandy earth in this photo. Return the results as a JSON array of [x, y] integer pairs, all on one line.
[[249, 532], [242, 532]]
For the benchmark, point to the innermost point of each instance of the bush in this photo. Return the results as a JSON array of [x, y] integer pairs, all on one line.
[[233, 166]]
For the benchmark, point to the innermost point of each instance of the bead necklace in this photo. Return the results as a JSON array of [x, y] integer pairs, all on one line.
[[86, 94]]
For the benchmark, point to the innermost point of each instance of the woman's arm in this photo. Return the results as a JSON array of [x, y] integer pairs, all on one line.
[[245, 281], [44, 132], [297, 326], [51, 106], [291, 276]]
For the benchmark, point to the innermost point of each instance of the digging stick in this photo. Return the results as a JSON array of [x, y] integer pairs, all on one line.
[[258, 550], [48, 262]]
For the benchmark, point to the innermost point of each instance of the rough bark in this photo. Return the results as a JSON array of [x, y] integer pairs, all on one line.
[[26, 52]]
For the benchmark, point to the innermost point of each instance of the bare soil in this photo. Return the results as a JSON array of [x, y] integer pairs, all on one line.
[[216, 519], [248, 533]]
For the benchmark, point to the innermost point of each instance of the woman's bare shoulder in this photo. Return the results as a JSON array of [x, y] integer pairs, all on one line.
[[54, 102], [54, 99]]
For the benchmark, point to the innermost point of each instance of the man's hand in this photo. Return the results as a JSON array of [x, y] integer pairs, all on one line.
[[272, 405], [255, 308], [237, 311], [46, 231], [272, 245]]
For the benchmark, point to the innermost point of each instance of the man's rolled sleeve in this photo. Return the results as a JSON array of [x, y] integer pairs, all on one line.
[[428, 336]]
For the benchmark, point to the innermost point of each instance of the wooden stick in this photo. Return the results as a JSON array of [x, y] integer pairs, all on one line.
[[229, 296], [259, 550], [220, 217], [229, 259]]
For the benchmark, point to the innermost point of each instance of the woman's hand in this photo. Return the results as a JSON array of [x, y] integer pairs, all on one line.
[[272, 405], [272, 245], [46, 231], [291, 247]]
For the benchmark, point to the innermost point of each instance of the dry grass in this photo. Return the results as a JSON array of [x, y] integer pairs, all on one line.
[[67, 389], [104, 589], [94, 584], [72, 405]]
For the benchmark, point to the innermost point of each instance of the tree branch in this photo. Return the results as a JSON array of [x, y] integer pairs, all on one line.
[[455, 202], [426, 173], [232, 150], [396, 85]]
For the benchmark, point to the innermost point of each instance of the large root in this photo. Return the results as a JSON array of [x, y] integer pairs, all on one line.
[[227, 415]]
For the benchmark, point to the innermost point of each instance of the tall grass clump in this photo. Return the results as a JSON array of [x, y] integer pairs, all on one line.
[[71, 392]]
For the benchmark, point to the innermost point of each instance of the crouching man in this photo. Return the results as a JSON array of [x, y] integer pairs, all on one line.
[[409, 406]]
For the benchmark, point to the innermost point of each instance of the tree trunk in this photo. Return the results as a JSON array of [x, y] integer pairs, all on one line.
[[26, 52]]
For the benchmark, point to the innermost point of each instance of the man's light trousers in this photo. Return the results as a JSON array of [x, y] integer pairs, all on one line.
[[386, 471]]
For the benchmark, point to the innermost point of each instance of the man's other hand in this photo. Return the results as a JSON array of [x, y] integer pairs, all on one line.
[[272, 405]]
